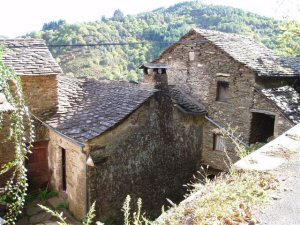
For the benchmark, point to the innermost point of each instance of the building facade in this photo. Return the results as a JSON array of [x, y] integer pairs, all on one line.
[[231, 75]]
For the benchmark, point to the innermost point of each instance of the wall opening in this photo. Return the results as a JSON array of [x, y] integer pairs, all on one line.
[[37, 165], [222, 91], [262, 127], [64, 172]]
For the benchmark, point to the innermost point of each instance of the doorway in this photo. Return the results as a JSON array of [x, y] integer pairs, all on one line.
[[64, 171], [262, 127], [37, 165]]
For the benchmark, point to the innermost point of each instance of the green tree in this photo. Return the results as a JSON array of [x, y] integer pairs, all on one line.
[[290, 39]]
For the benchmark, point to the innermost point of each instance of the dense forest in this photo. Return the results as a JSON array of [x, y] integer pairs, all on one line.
[[151, 30]]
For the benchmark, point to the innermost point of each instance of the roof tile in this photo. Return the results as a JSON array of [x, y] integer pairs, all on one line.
[[29, 57], [252, 54], [87, 107], [287, 99]]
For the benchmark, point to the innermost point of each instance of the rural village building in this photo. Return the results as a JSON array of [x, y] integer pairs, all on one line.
[[241, 83], [101, 140]]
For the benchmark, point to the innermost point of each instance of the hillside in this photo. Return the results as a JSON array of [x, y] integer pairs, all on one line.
[[161, 25]]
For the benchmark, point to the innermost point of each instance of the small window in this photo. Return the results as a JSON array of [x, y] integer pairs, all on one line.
[[222, 91], [219, 142], [191, 56]]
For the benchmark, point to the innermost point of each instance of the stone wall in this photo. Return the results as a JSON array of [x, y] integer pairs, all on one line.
[[282, 124], [150, 155], [199, 76], [213, 158], [41, 93], [75, 172]]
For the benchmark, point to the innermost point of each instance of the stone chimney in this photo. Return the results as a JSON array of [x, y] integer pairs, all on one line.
[[155, 74]]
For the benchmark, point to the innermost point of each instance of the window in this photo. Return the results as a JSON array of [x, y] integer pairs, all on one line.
[[191, 56], [219, 142], [64, 169], [222, 91]]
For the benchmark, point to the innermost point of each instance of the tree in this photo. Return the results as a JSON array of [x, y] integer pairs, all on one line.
[[118, 15], [290, 39], [53, 25], [21, 135]]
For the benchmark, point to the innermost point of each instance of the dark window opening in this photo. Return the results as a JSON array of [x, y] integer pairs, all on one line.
[[262, 127], [222, 91], [219, 142], [64, 174]]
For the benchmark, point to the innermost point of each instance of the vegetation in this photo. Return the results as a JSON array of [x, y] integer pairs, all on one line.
[[228, 199], [41, 195], [63, 221], [21, 135], [289, 41], [160, 26]]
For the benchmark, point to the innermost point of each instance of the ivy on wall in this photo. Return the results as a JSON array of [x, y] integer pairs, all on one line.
[[21, 134]]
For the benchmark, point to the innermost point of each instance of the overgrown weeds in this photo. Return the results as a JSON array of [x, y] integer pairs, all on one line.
[[229, 198], [41, 195]]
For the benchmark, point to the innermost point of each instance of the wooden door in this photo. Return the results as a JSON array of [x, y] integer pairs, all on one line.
[[37, 165]]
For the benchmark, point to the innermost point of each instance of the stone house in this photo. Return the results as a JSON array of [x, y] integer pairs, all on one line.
[[102, 140], [241, 84]]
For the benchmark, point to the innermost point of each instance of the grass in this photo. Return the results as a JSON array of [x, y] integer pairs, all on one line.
[[41, 195], [230, 197], [63, 205]]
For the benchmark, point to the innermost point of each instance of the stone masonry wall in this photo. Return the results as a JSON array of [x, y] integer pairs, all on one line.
[[75, 172], [282, 124], [41, 93], [150, 155], [214, 158], [199, 77]]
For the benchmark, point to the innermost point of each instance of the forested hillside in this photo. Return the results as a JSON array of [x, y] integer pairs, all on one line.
[[161, 25]]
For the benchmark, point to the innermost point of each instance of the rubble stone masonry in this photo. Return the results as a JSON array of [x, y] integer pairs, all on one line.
[[150, 155], [199, 75]]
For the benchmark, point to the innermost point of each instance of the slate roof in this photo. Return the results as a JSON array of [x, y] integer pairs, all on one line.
[[255, 56], [247, 51], [87, 108], [287, 99], [185, 102], [29, 57]]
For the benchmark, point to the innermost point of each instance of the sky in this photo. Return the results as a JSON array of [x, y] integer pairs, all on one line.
[[19, 17]]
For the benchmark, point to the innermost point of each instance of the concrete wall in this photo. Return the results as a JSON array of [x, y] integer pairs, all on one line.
[[75, 172], [150, 155]]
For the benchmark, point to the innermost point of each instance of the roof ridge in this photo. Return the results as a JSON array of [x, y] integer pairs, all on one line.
[[121, 83]]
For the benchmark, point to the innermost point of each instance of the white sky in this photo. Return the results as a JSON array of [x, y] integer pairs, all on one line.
[[18, 17]]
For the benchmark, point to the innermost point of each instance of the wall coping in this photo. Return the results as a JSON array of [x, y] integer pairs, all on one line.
[[273, 154]]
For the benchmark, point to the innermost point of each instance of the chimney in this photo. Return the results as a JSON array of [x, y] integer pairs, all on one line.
[[156, 74]]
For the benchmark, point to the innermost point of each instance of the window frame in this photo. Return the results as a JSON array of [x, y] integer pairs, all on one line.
[[225, 85], [216, 138]]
